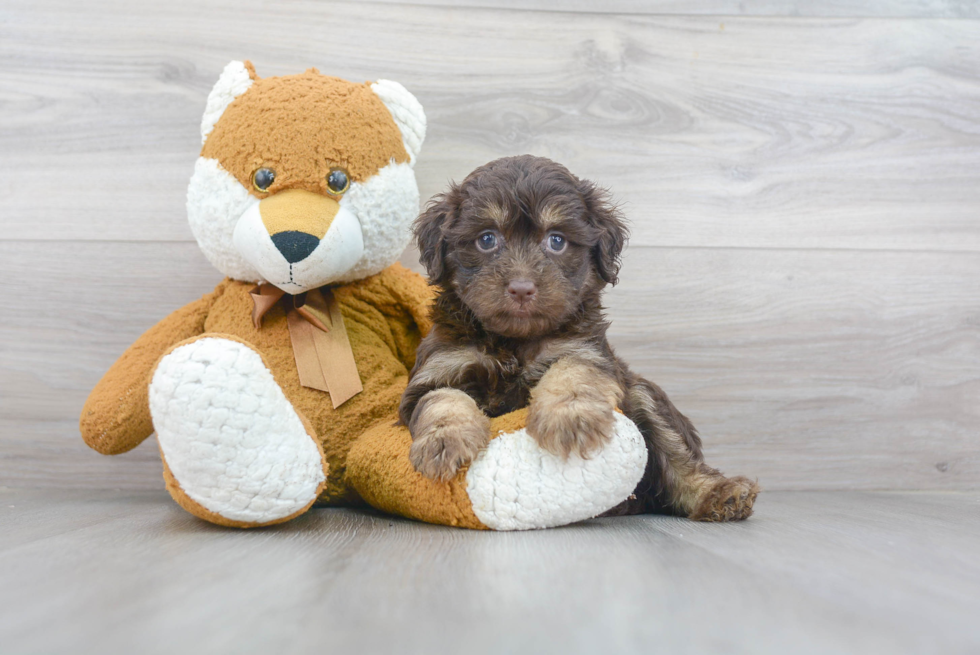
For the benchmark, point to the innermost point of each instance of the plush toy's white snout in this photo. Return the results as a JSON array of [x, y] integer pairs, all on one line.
[[298, 240]]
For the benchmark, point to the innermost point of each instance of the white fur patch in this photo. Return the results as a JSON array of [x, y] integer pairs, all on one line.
[[407, 112], [515, 485], [215, 202], [385, 206], [228, 434], [339, 249], [234, 81]]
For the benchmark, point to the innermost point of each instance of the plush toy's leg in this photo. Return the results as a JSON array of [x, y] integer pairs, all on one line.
[[511, 485], [235, 451]]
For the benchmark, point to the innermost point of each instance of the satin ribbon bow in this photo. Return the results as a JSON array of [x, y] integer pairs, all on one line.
[[323, 353]]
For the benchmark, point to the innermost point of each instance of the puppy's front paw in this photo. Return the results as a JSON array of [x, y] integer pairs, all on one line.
[[572, 411], [582, 425], [729, 499], [448, 430]]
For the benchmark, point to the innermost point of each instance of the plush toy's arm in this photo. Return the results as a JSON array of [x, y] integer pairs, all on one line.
[[116, 416], [414, 297]]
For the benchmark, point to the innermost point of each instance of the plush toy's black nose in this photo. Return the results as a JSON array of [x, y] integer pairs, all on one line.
[[295, 246]]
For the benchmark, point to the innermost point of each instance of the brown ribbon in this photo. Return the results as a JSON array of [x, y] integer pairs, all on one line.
[[324, 357]]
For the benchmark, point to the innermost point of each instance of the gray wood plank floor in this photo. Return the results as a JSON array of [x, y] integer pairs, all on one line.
[[825, 572]]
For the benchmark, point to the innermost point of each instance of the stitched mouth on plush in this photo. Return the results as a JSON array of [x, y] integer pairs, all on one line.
[[299, 260]]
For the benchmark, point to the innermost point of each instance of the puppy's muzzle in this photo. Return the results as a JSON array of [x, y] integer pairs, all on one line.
[[522, 290]]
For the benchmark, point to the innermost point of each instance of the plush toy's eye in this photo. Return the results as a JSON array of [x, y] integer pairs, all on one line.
[[486, 241], [337, 181], [556, 242], [263, 178]]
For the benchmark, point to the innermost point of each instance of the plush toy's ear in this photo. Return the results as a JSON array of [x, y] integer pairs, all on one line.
[[407, 112], [604, 216], [235, 80], [430, 233]]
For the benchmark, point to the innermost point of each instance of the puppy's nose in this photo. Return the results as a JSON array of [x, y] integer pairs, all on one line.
[[522, 290], [295, 246]]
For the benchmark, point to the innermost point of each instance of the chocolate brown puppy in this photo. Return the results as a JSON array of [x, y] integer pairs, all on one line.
[[521, 252]]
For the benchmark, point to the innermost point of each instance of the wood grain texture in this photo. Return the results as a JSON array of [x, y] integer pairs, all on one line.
[[804, 263], [772, 8], [806, 369], [743, 132], [826, 572]]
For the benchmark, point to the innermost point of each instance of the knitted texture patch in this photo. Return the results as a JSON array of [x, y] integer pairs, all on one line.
[[229, 436], [515, 485]]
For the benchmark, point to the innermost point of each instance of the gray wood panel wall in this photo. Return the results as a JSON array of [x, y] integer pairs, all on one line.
[[803, 180]]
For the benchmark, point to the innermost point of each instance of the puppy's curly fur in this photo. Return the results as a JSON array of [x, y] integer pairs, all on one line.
[[521, 252]]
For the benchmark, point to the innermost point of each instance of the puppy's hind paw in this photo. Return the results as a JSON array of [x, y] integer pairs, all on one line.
[[730, 499]]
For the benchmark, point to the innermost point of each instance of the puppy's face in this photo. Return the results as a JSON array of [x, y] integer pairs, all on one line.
[[522, 242]]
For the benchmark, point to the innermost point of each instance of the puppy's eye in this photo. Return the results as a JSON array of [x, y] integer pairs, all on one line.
[[556, 242], [337, 182], [263, 178], [486, 241]]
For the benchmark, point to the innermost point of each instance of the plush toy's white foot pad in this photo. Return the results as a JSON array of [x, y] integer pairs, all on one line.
[[230, 438], [515, 485]]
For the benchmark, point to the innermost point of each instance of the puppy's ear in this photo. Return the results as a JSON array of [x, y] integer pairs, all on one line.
[[430, 235], [606, 218]]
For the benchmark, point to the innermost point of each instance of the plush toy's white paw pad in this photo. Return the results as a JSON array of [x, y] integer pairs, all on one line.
[[228, 434], [515, 485]]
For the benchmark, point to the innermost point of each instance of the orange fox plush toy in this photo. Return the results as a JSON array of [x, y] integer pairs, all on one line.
[[279, 389]]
